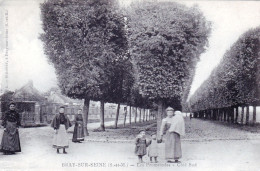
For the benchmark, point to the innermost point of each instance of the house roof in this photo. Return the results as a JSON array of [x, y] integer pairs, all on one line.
[[28, 93], [56, 96]]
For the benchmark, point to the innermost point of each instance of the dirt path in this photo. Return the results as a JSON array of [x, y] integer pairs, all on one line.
[[38, 154], [96, 125]]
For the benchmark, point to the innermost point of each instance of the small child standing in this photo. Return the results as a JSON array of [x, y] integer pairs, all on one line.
[[140, 145], [153, 149]]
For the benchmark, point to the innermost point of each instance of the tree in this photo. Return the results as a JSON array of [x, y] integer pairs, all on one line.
[[125, 81], [7, 96], [5, 99], [84, 40], [235, 81], [165, 42]]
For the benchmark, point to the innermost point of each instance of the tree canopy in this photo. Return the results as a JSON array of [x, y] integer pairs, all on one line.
[[86, 43], [165, 42], [235, 81]]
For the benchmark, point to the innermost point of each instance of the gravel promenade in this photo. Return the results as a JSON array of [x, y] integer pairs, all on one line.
[[207, 146]]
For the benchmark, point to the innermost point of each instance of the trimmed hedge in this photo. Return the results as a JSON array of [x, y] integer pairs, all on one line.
[[236, 80]]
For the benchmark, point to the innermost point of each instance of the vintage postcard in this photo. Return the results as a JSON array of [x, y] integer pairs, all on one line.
[[129, 85]]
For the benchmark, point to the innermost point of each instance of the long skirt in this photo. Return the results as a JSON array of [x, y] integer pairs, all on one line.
[[172, 146], [61, 139], [78, 134], [10, 141]]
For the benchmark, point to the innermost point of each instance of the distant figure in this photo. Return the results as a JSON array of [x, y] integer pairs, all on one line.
[[172, 126], [61, 123], [153, 149], [141, 144], [11, 122], [190, 116], [78, 134]]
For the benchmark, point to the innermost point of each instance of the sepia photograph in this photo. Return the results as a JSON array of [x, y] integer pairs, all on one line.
[[129, 85]]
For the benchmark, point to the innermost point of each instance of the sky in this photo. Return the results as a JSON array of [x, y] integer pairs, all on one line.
[[27, 60]]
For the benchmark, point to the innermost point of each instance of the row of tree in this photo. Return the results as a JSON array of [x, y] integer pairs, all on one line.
[[235, 81], [140, 115], [144, 56]]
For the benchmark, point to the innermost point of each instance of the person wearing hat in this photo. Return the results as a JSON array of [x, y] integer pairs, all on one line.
[[141, 143], [10, 141], [60, 124], [172, 127]]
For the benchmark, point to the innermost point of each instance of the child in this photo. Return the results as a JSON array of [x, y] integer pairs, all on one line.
[[153, 149], [141, 144]]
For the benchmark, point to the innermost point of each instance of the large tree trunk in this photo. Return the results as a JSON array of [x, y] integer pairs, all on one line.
[[135, 114], [146, 119], [159, 117], [236, 120], [130, 114], [125, 113], [225, 114], [247, 115], [102, 115], [143, 114], [222, 114], [232, 114], [228, 114], [254, 115], [117, 114], [242, 115], [215, 114], [85, 115], [140, 117]]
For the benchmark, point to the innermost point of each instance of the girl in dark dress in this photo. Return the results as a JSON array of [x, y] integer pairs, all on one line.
[[78, 134], [10, 141], [141, 144]]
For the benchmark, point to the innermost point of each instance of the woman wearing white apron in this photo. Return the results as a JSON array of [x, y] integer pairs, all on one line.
[[61, 123]]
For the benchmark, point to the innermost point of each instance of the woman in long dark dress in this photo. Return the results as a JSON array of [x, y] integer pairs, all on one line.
[[172, 127], [78, 134], [61, 123], [10, 141]]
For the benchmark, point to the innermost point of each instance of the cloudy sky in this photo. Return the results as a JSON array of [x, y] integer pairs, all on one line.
[[28, 62]]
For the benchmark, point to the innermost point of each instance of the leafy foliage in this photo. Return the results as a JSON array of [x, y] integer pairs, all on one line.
[[165, 42], [236, 79], [86, 43], [7, 96]]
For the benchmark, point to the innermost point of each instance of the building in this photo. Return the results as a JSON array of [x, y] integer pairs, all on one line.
[[55, 99], [28, 103], [37, 108]]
